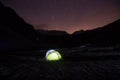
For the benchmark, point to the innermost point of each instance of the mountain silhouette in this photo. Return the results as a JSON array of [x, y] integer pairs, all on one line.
[[52, 38], [107, 35], [8, 17], [15, 33]]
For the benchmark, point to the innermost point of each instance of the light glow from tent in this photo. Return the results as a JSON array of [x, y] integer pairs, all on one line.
[[53, 55]]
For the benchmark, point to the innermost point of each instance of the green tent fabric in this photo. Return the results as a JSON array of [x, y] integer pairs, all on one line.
[[53, 55]]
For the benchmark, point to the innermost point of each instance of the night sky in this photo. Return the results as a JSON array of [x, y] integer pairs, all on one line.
[[67, 15]]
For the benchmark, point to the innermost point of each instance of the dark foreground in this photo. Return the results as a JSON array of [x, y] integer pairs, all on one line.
[[14, 67]]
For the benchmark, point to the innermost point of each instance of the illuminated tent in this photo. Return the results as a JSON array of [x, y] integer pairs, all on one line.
[[52, 55]]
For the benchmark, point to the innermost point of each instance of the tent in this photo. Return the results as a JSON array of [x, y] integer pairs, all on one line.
[[52, 55]]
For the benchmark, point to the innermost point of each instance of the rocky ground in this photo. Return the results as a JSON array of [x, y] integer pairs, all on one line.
[[14, 67]]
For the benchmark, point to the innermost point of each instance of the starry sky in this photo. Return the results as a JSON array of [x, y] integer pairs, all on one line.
[[66, 15]]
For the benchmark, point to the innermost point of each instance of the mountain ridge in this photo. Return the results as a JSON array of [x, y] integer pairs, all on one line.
[[15, 33], [106, 35]]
